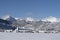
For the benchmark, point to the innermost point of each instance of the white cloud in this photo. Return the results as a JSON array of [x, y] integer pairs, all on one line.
[[29, 14]]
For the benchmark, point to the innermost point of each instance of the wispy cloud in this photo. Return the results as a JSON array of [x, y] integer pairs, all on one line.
[[29, 14]]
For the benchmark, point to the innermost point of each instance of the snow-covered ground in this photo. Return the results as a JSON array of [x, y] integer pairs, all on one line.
[[28, 36]]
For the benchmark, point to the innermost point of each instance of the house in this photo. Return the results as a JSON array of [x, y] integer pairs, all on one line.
[[23, 30]]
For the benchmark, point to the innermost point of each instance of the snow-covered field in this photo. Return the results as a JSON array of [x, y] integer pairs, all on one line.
[[28, 36]]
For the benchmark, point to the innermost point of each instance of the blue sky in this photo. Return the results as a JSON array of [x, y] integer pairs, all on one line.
[[30, 8]]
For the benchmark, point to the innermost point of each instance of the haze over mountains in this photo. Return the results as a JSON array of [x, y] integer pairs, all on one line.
[[45, 24], [50, 18]]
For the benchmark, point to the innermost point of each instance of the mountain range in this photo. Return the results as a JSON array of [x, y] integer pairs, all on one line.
[[45, 24]]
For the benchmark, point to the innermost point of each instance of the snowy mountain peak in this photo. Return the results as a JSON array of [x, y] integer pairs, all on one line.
[[18, 19], [29, 19], [51, 19], [6, 17]]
